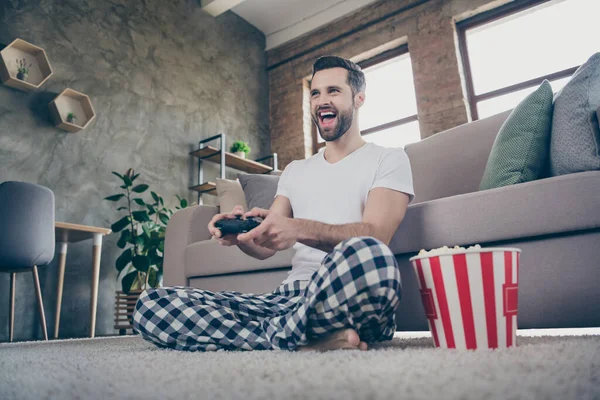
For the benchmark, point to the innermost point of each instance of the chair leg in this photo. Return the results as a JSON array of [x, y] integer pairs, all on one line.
[[40, 302], [11, 310]]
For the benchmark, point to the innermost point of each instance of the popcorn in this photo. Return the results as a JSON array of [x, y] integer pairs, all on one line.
[[446, 250]]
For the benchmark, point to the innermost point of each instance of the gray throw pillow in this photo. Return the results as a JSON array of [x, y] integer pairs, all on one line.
[[259, 189], [575, 139]]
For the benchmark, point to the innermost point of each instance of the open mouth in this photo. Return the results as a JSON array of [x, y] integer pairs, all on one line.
[[327, 117]]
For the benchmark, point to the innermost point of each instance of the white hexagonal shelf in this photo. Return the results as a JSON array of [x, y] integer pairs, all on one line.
[[33, 58], [71, 102]]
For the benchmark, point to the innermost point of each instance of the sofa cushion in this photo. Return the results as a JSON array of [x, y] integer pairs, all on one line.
[[520, 150], [259, 189], [230, 194], [197, 224], [452, 162], [546, 206], [250, 282], [575, 141], [211, 258]]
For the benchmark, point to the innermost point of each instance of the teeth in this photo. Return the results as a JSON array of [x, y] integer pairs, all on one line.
[[326, 113]]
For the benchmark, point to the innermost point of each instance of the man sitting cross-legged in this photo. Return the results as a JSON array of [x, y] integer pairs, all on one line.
[[339, 210]]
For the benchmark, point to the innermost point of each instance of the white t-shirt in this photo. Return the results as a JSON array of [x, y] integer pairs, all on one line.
[[337, 193]]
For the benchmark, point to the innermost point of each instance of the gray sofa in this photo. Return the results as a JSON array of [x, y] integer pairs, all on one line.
[[554, 221]]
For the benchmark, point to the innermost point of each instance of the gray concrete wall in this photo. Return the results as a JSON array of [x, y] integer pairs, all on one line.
[[162, 75]]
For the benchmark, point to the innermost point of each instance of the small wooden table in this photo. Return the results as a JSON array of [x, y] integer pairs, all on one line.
[[70, 233]]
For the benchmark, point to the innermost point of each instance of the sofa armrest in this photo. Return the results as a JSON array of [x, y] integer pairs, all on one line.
[[186, 226]]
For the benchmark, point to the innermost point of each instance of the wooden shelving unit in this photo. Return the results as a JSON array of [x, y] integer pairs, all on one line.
[[206, 187], [225, 159], [213, 154], [77, 103], [40, 69]]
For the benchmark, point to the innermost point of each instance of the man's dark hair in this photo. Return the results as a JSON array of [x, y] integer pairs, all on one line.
[[356, 78]]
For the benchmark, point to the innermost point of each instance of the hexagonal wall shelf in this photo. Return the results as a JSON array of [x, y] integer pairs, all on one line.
[[71, 101], [34, 58]]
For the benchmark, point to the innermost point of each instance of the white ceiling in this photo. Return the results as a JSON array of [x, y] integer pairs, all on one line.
[[284, 20]]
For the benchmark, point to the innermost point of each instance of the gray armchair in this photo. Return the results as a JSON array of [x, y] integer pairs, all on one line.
[[26, 237]]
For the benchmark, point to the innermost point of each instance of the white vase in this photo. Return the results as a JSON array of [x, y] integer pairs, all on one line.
[[240, 154]]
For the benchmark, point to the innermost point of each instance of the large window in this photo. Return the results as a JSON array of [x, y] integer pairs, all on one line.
[[389, 115], [509, 51]]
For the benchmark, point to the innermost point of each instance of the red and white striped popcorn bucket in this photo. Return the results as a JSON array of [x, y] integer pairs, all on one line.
[[470, 296]]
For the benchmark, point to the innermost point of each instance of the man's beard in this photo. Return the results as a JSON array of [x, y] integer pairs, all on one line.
[[343, 124]]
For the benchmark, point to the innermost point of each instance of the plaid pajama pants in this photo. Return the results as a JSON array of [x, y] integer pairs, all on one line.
[[357, 286]]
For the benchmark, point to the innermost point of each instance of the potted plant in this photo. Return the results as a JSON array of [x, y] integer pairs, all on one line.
[[22, 69], [240, 148], [71, 118], [142, 239]]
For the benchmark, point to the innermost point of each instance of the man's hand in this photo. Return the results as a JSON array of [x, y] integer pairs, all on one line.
[[275, 232], [227, 240]]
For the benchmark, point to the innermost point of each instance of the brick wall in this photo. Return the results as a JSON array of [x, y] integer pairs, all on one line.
[[428, 26]]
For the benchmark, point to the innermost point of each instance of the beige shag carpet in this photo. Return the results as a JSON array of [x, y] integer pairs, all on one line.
[[557, 364]]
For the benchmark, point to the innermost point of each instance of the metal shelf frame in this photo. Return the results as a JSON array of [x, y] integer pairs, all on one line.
[[222, 141]]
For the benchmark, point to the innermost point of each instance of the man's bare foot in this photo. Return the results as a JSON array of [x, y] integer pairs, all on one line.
[[342, 339]]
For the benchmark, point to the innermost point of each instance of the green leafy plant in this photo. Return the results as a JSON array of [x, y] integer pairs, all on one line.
[[22, 67], [143, 231], [71, 117], [240, 145]]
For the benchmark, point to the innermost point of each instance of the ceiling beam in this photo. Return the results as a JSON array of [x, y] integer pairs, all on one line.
[[218, 7]]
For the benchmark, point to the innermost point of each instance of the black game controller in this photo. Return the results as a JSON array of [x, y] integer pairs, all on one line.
[[237, 225]]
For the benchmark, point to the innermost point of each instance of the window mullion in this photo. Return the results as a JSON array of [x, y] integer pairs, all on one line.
[[526, 84], [392, 124]]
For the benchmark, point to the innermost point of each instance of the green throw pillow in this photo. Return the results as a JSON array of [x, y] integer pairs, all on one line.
[[521, 148]]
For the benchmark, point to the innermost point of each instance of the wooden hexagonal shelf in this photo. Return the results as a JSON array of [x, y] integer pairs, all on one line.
[[71, 101], [35, 60]]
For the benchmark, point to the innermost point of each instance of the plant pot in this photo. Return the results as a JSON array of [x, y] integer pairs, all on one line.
[[22, 76], [70, 120], [240, 154], [124, 307]]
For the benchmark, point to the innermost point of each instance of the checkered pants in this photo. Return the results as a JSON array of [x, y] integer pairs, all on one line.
[[357, 286]]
